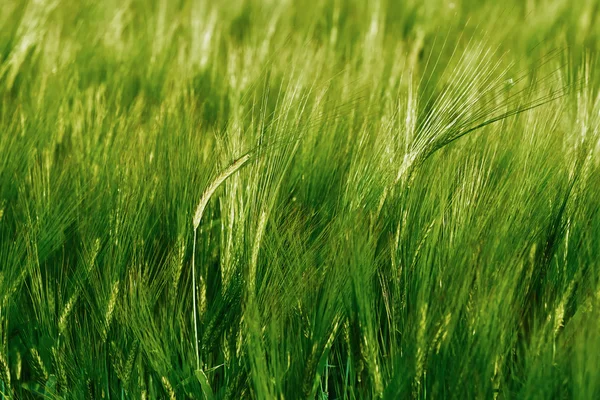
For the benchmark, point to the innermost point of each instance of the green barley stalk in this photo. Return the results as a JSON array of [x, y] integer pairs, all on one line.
[[60, 369], [233, 168]]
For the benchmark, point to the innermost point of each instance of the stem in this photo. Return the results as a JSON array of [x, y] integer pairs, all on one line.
[[194, 301], [107, 374]]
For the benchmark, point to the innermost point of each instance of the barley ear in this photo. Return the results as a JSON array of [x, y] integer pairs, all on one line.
[[112, 301], [236, 165], [168, 388], [39, 364], [4, 375]]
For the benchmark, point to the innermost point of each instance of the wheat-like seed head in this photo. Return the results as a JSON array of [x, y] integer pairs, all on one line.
[[39, 363], [128, 368], [421, 345], [236, 165], [18, 366], [14, 286], [559, 315], [4, 371], [110, 308], [255, 249], [62, 321], [442, 333], [179, 265], [168, 388], [93, 254], [90, 389], [202, 299]]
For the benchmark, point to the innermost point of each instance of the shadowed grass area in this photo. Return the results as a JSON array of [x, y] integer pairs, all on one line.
[[331, 199]]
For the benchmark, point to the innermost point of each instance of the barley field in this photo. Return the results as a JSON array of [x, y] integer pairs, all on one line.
[[299, 199]]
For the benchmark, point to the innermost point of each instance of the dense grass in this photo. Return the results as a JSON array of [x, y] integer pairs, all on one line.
[[415, 212]]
